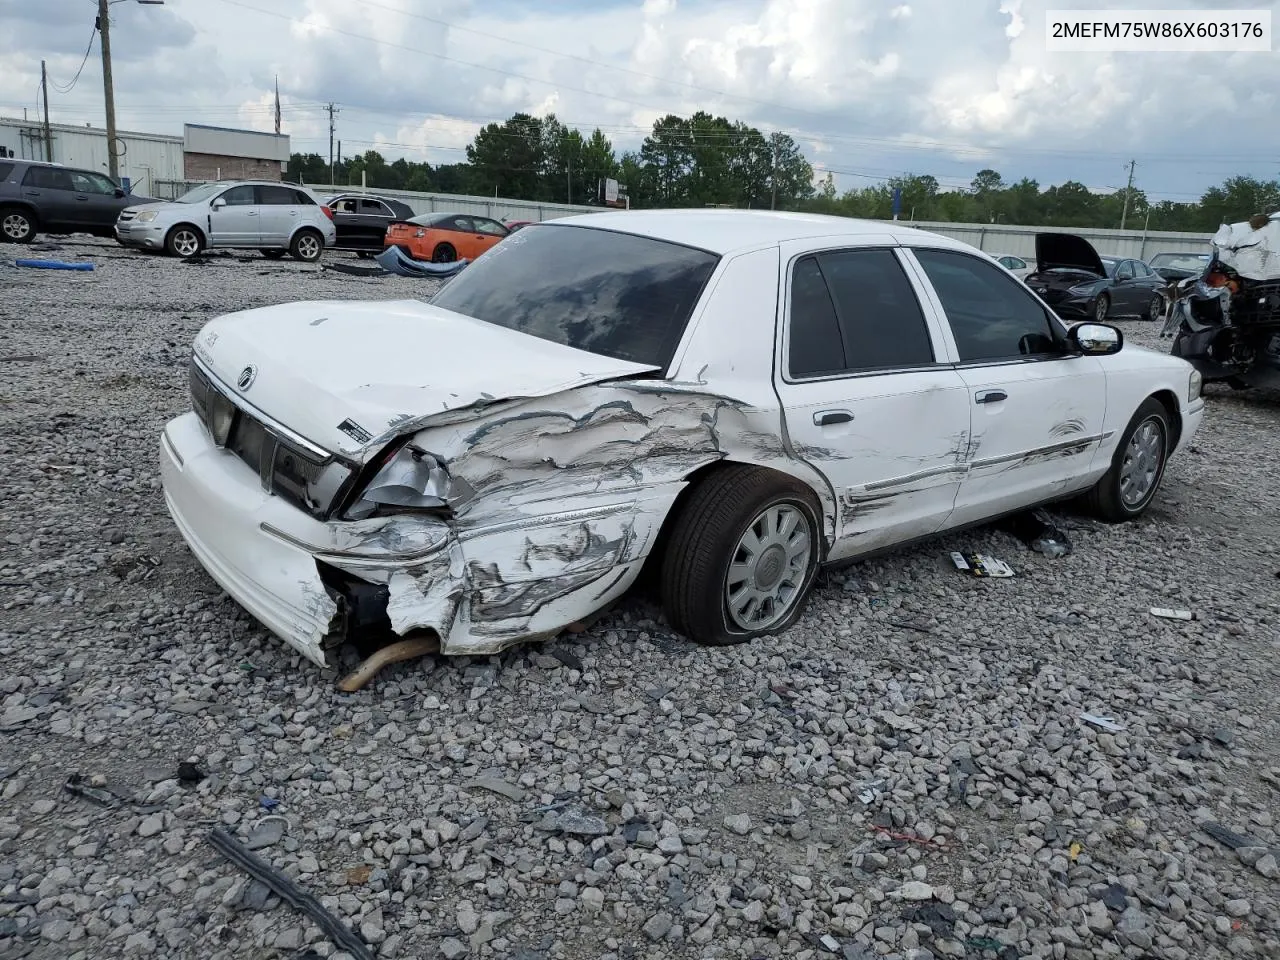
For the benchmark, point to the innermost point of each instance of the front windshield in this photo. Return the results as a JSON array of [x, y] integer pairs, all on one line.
[[615, 294], [1109, 265], [1180, 261], [203, 192]]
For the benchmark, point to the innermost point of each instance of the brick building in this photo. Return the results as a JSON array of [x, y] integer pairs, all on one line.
[[220, 153]]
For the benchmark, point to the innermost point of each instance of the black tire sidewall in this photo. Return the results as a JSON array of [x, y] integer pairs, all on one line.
[[173, 232], [26, 215], [731, 631], [441, 248], [294, 246], [1150, 410], [1155, 307]]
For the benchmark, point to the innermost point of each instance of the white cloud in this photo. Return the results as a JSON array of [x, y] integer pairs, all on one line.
[[861, 84]]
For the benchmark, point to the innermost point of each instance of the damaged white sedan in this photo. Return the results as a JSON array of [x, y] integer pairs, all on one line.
[[735, 398]]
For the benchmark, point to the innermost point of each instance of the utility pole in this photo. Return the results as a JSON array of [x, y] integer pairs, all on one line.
[[1124, 215], [568, 178], [773, 199], [104, 30], [331, 127], [48, 133]]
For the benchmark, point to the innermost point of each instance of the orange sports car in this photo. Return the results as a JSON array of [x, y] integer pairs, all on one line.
[[445, 237]]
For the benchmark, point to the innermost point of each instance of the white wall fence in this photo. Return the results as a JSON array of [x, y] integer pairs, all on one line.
[[1020, 241], [997, 238]]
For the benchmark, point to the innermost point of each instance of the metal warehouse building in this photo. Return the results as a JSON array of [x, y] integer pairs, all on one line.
[[144, 157]]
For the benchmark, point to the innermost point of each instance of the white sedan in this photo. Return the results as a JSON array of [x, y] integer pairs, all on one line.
[[734, 398]]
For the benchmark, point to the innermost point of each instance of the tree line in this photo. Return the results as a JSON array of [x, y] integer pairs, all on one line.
[[704, 160]]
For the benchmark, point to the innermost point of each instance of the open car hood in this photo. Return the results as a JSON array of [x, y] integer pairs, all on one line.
[[1055, 250], [348, 376]]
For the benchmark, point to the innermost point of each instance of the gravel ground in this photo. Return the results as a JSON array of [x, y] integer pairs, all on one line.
[[904, 774]]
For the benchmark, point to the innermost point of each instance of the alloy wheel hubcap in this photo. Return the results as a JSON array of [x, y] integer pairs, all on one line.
[[769, 567], [307, 247], [15, 225], [1143, 459], [185, 243], [1100, 311]]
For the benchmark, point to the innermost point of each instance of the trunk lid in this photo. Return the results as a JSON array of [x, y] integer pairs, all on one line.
[[1066, 250], [348, 375]]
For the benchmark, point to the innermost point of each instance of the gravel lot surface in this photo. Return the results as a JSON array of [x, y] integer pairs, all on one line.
[[903, 774]]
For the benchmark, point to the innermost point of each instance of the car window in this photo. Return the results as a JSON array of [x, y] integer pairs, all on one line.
[[881, 323], [615, 294], [815, 347], [491, 227], [1142, 269], [346, 205], [460, 223], [47, 178], [239, 196], [1125, 270], [277, 196], [375, 208], [5, 170], [992, 315], [85, 181], [1109, 266], [304, 199], [1015, 264]]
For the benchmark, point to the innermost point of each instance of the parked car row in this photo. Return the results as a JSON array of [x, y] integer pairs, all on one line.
[[273, 217]]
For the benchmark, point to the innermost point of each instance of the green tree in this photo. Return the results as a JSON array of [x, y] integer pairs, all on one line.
[[1239, 198], [508, 159]]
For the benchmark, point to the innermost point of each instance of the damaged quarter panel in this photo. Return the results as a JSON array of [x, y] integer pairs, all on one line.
[[571, 490]]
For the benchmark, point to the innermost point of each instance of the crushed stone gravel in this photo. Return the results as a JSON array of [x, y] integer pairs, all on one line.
[[903, 774]]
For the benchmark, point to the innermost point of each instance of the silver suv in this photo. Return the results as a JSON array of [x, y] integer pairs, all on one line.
[[275, 218]]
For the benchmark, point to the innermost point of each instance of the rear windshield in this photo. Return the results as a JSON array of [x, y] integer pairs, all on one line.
[[430, 219], [608, 293]]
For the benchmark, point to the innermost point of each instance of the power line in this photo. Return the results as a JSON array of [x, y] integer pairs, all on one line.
[[85, 59]]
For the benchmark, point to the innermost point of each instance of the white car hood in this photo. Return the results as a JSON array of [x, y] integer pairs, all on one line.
[[348, 376]]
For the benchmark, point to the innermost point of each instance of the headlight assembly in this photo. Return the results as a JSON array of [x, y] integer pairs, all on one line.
[[1195, 384], [146, 216], [411, 479]]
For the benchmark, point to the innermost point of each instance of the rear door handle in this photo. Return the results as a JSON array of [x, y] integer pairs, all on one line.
[[827, 418], [990, 396]]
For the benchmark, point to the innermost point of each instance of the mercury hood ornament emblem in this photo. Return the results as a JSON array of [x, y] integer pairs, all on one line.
[[246, 378]]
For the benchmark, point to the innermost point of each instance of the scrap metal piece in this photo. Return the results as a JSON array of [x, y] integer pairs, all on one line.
[[392, 653], [283, 887]]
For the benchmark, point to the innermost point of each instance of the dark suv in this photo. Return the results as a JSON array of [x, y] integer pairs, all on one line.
[[40, 197]]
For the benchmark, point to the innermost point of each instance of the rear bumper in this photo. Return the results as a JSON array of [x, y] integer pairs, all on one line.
[[480, 587]]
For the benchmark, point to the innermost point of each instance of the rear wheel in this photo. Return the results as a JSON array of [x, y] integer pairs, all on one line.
[[307, 246], [272, 254], [1127, 489], [444, 253], [17, 225], [742, 556], [183, 241]]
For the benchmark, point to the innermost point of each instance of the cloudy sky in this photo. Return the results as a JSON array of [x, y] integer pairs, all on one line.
[[870, 88]]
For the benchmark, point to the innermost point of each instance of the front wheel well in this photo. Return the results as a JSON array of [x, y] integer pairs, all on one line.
[[1169, 400], [204, 237]]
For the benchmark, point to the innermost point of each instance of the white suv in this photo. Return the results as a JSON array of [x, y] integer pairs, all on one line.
[[275, 218]]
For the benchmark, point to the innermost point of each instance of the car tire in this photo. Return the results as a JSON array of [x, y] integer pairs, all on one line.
[[444, 253], [1155, 309], [1137, 467], [183, 241], [17, 225], [272, 253], [709, 546], [1101, 307], [307, 246]]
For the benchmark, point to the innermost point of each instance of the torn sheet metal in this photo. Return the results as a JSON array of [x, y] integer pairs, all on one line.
[[1251, 248]]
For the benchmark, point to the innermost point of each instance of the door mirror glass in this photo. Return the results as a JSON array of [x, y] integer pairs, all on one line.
[[1096, 339]]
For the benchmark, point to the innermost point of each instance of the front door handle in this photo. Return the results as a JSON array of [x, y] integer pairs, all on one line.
[[827, 418], [990, 396]]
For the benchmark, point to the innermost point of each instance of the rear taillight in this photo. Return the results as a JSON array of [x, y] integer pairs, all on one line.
[[327, 212]]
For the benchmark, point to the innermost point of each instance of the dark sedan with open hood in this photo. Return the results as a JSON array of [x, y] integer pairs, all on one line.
[[1076, 282]]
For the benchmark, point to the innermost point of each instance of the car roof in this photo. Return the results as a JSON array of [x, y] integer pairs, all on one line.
[[727, 231]]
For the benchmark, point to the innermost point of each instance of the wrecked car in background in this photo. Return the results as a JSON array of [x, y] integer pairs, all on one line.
[[734, 397], [1226, 321]]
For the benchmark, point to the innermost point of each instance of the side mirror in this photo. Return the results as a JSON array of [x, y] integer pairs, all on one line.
[[120, 194], [1095, 339], [218, 204]]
